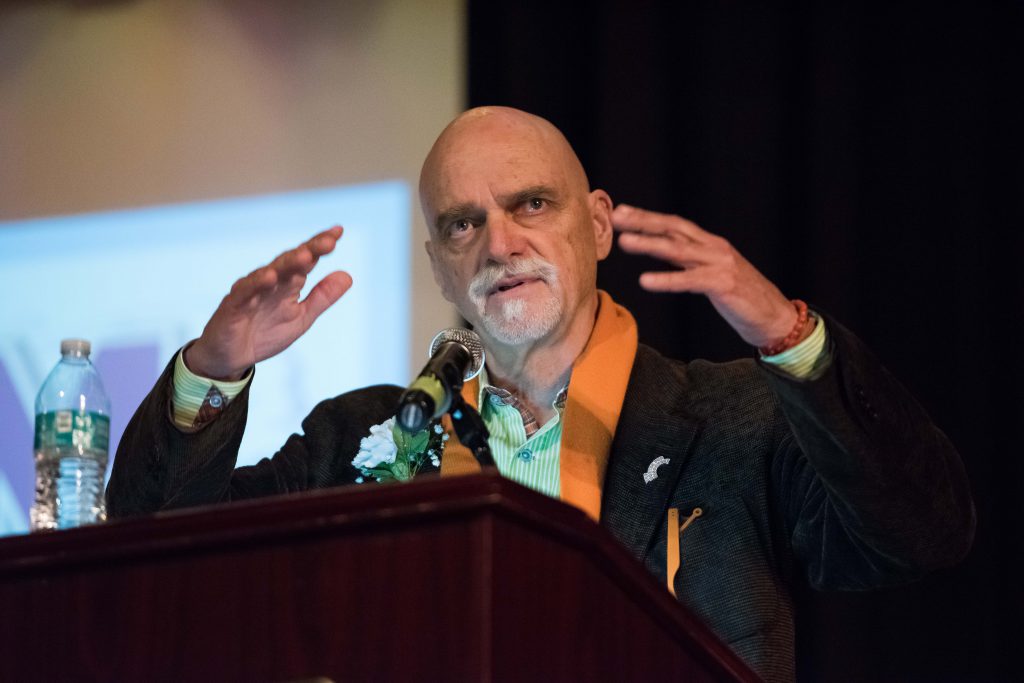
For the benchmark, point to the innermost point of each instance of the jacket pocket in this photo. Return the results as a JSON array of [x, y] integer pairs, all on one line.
[[726, 571]]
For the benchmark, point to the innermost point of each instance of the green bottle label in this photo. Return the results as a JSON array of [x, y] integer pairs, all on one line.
[[72, 429]]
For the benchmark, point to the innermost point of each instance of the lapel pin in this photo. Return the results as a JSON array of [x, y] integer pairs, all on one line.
[[652, 470]]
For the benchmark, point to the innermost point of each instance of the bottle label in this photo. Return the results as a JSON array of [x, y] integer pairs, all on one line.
[[68, 428]]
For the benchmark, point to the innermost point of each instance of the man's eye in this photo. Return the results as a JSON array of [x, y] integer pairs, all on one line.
[[535, 204], [459, 227]]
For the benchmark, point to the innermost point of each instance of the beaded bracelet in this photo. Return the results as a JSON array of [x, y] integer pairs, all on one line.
[[790, 340]]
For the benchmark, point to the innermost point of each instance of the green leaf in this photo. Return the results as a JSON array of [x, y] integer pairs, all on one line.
[[400, 468], [399, 436], [383, 473], [418, 441], [409, 444]]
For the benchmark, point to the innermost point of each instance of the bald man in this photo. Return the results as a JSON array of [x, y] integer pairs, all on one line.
[[728, 481]]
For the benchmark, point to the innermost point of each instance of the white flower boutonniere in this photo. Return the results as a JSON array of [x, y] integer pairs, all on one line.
[[389, 453]]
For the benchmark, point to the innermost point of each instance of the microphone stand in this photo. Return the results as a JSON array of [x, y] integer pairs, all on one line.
[[470, 429]]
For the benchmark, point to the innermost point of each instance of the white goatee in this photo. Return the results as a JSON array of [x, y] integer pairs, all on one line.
[[516, 321]]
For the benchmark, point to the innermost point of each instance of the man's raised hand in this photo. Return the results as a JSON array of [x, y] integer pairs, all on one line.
[[262, 315], [706, 264]]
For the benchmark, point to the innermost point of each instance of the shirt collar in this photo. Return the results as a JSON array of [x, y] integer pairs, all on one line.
[[488, 389], [499, 396]]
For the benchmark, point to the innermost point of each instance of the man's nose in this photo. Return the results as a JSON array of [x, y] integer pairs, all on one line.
[[505, 238]]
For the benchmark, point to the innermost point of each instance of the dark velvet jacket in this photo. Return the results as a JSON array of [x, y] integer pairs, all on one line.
[[841, 481]]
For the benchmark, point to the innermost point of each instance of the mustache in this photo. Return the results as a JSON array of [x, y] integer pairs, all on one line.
[[491, 274]]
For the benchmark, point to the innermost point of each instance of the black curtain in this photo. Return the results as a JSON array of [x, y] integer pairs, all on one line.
[[868, 160]]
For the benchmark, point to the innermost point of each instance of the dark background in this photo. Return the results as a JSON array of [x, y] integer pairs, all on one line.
[[866, 159]]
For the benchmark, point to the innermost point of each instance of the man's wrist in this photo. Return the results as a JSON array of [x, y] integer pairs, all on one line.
[[808, 358], [801, 329], [193, 360], [196, 400]]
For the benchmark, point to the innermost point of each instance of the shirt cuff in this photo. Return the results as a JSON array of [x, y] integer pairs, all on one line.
[[809, 358], [190, 391]]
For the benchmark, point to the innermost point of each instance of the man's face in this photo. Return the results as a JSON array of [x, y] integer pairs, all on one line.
[[513, 241]]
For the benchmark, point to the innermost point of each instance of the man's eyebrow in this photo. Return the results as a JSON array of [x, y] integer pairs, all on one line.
[[457, 212], [518, 197], [470, 210]]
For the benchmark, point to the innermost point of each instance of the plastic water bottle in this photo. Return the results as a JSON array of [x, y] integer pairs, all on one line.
[[72, 437]]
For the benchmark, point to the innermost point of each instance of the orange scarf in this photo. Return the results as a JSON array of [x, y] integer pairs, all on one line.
[[597, 388]]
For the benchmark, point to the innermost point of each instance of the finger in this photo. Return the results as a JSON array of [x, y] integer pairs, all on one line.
[[676, 281], [633, 219], [679, 252], [301, 261], [298, 261], [324, 242], [303, 258], [253, 284], [324, 294], [289, 288]]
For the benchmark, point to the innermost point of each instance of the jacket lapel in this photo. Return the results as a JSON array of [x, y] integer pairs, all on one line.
[[654, 438]]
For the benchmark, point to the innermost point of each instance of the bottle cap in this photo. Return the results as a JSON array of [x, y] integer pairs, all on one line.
[[75, 347]]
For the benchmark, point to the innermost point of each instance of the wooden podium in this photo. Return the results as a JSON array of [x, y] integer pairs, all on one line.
[[461, 579]]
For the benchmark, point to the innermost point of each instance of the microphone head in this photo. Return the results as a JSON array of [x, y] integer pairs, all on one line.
[[469, 339]]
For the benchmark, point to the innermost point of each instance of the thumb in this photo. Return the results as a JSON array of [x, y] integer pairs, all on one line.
[[324, 294]]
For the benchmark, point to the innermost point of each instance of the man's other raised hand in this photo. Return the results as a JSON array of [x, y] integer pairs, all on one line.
[[706, 264], [262, 314]]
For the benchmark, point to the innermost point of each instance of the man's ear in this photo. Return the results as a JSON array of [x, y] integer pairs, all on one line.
[[601, 216], [435, 268]]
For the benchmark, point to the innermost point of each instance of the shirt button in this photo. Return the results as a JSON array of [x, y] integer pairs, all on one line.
[[526, 455], [496, 400], [216, 401]]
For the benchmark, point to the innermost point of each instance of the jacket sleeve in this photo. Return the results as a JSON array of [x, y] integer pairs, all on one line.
[[871, 491], [160, 467]]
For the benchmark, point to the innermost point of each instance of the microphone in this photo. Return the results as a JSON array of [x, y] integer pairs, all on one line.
[[456, 355]]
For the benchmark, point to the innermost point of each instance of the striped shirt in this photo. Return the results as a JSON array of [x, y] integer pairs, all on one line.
[[522, 450]]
